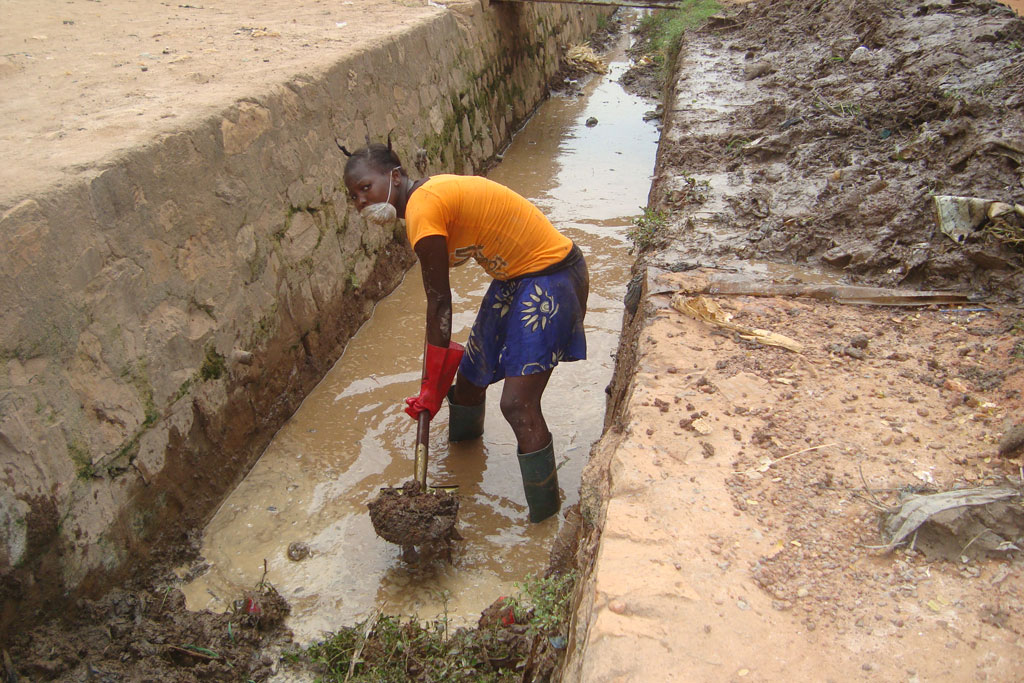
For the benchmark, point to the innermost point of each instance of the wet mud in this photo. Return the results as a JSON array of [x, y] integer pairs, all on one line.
[[845, 119], [131, 635], [408, 516]]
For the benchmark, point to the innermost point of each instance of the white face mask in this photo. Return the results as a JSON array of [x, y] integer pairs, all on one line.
[[381, 213]]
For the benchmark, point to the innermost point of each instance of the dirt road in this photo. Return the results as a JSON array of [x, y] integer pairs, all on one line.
[[84, 81]]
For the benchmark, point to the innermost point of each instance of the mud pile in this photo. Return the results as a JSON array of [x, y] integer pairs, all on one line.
[[863, 111], [148, 634]]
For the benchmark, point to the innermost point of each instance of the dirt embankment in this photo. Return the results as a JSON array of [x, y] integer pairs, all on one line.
[[748, 484], [863, 112]]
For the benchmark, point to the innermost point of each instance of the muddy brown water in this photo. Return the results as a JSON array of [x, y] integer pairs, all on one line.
[[350, 436]]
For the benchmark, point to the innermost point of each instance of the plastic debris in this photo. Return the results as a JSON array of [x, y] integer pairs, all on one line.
[[916, 509], [958, 217], [703, 308]]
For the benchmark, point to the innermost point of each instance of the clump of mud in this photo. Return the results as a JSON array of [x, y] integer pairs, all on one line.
[[136, 635], [408, 516]]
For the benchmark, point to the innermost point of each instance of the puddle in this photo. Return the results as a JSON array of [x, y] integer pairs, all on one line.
[[350, 436]]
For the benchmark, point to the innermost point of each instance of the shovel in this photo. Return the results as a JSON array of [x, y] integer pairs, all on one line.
[[422, 446], [416, 514]]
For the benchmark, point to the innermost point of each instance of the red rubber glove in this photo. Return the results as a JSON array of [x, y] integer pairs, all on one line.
[[439, 368]]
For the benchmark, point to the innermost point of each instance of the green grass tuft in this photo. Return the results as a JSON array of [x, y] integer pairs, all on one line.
[[648, 230], [661, 32], [385, 649], [213, 365]]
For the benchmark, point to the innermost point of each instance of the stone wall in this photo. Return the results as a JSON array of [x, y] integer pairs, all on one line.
[[162, 319]]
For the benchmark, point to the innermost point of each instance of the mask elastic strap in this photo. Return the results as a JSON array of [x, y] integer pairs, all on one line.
[[391, 184]]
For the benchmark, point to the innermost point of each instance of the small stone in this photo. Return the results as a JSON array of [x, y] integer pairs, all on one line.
[[756, 70], [1012, 443], [860, 341], [802, 592], [956, 385], [591, 122], [854, 352], [837, 257], [922, 411], [866, 666], [298, 551], [617, 606]]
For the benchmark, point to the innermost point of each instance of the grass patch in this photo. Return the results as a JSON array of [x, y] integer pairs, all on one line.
[[648, 230], [213, 365], [385, 649], [661, 32], [546, 605]]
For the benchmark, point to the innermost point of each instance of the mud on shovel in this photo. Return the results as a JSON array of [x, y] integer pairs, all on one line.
[[417, 514]]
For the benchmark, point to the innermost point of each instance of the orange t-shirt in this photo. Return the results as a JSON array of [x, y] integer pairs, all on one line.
[[505, 233]]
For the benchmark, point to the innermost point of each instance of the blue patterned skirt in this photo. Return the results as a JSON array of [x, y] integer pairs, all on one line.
[[528, 325]]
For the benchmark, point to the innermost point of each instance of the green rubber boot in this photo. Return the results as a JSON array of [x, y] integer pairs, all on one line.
[[540, 482], [464, 422]]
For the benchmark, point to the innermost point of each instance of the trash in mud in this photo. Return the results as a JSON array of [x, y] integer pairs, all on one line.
[[408, 516], [582, 58], [707, 310], [960, 217], [959, 524]]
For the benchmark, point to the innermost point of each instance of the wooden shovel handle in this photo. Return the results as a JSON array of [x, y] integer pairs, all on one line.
[[422, 443]]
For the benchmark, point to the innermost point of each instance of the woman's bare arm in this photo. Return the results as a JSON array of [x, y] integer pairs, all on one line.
[[432, 252]]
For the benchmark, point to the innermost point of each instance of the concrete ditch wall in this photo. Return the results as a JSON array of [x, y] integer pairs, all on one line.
[[161, 319]]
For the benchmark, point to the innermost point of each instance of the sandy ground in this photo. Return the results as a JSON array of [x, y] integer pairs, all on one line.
[[745, 491], [85, 79]]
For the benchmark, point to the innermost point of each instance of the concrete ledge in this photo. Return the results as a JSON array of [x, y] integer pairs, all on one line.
[[164, 312]]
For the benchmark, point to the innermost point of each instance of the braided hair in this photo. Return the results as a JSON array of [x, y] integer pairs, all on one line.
[[376, 155]]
